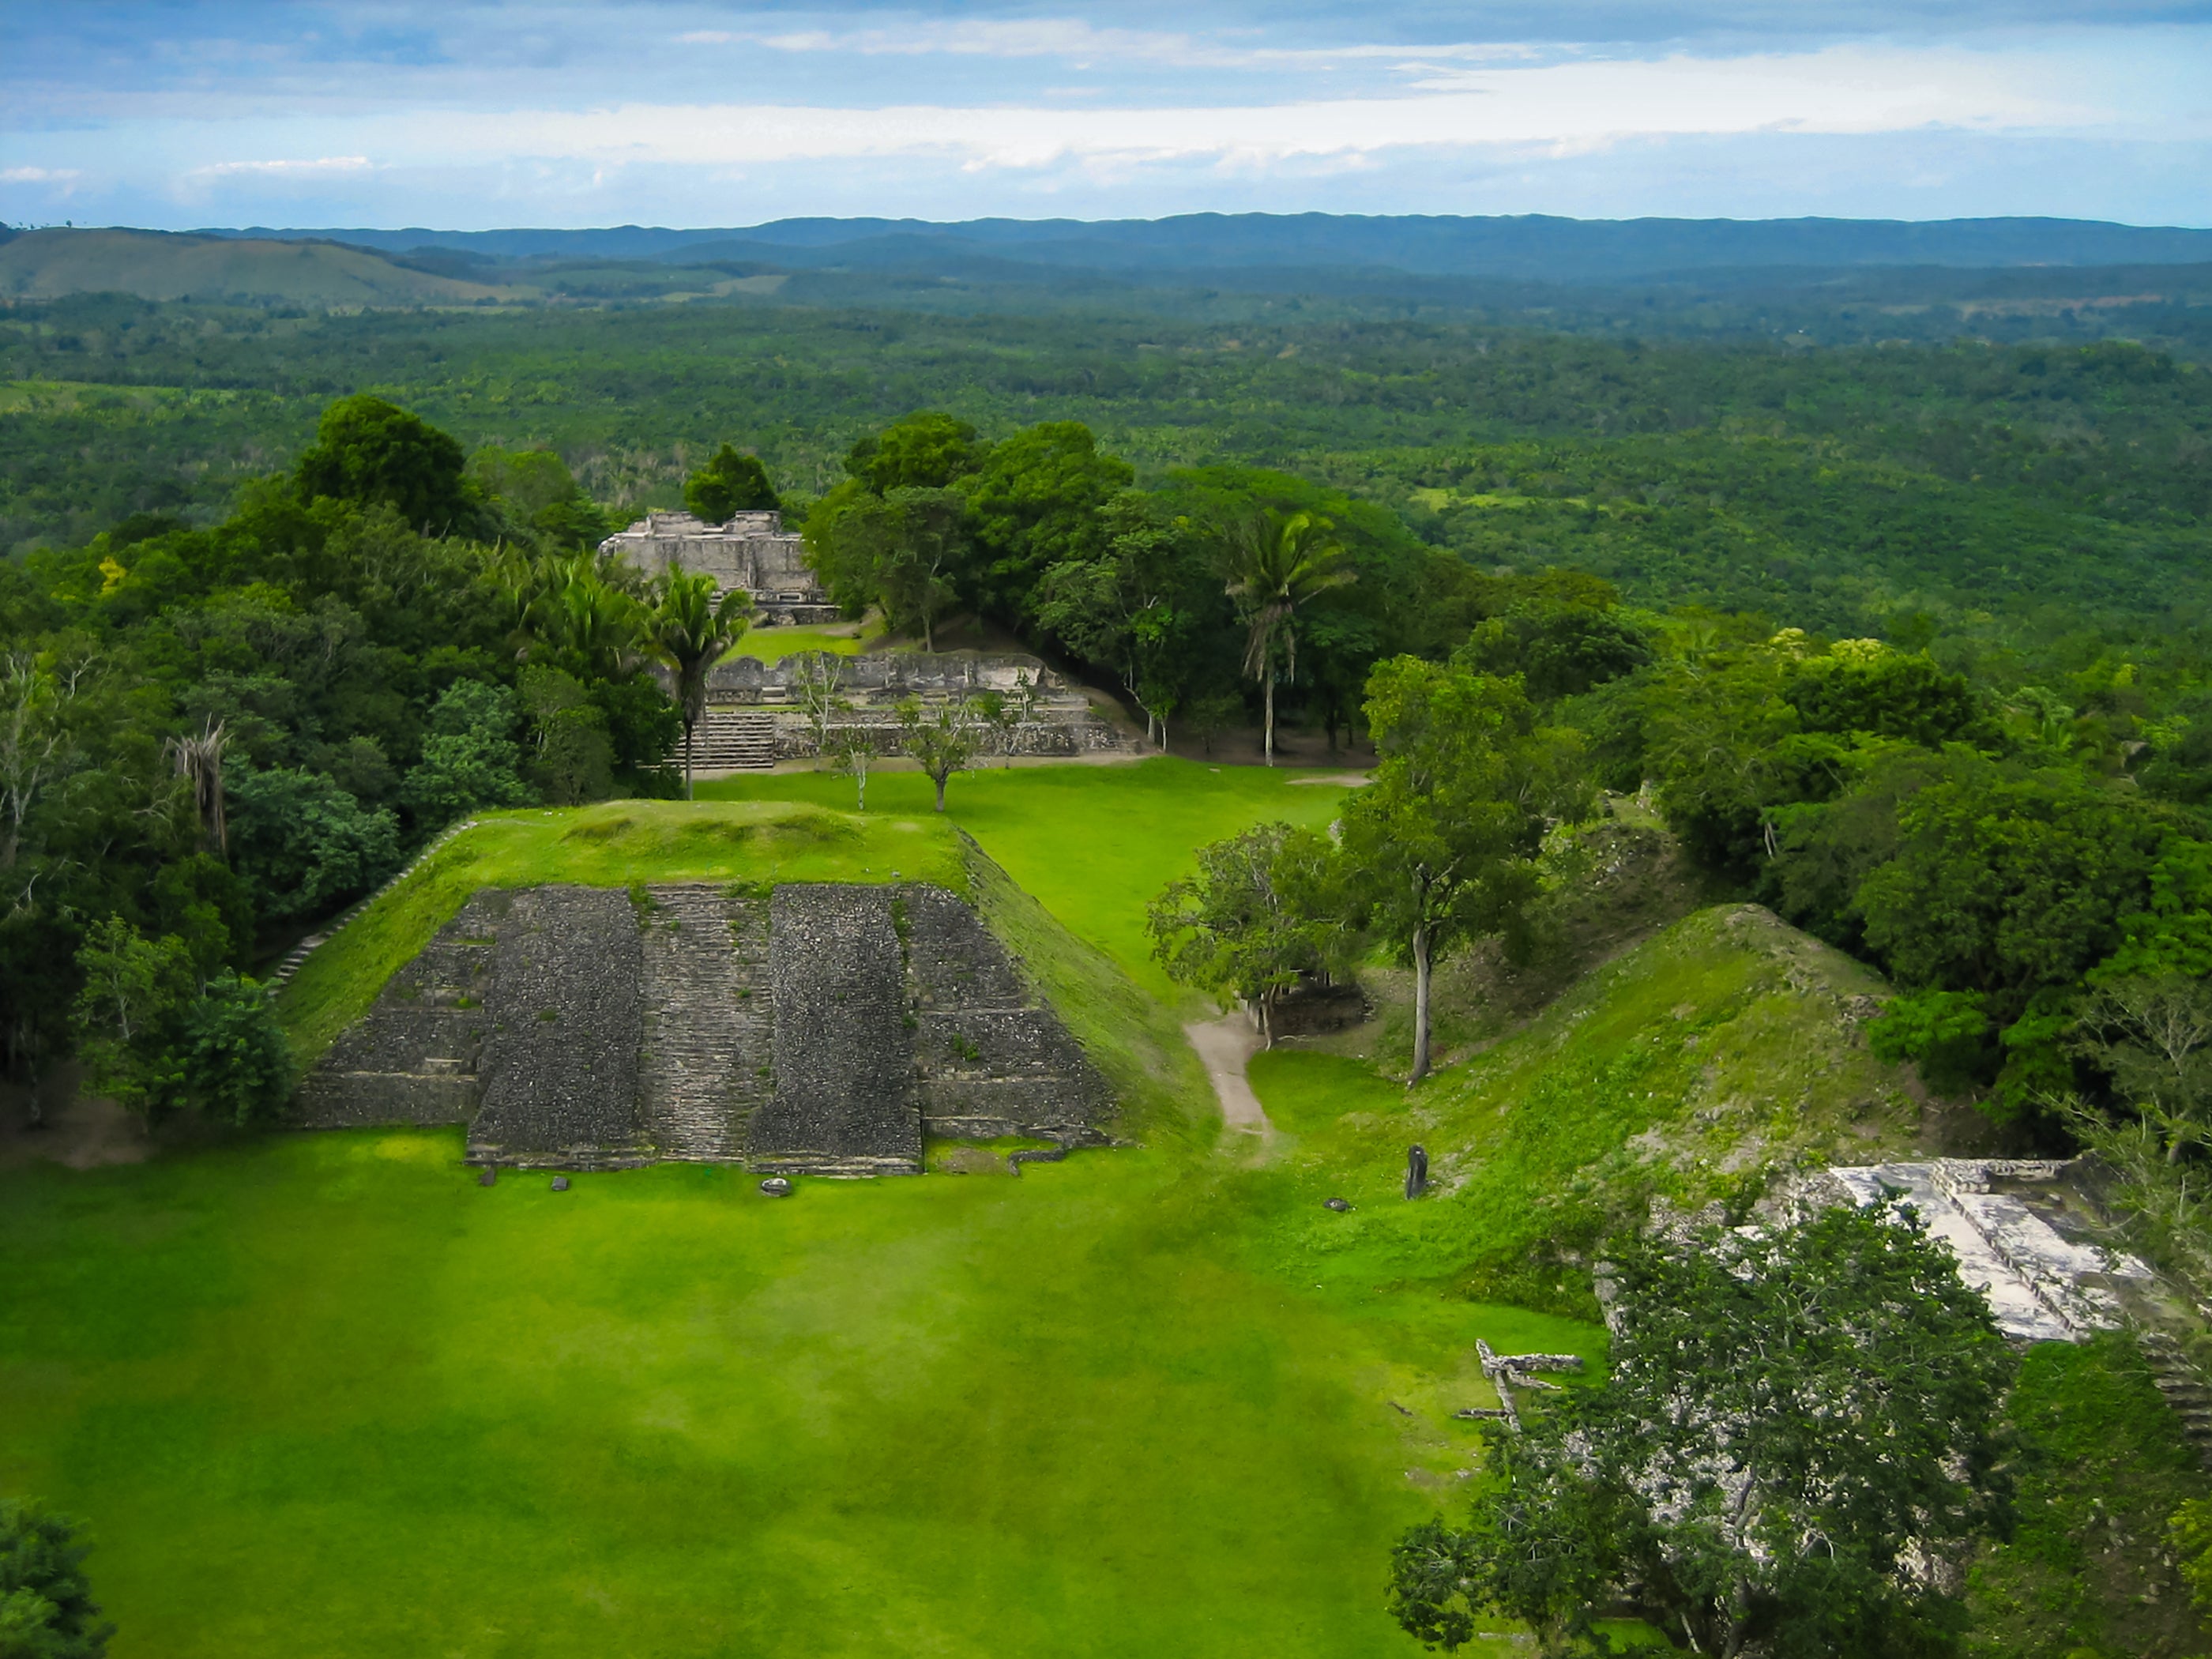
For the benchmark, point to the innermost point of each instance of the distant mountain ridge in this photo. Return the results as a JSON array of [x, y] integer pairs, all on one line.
[[1537, 247]]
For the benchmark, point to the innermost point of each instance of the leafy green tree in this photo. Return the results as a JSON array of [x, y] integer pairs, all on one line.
[[730, 484], [1794, 1451], [693, 629], [1139, 609], [1275, 564], [572, 758], [236, 1063], [471, 759], [46, 1609], [1864, 686], [588, 624], [926, 450], [1259, 916], [1559, 650], [1443, 843], [302, 843], [2153, 1037], [943, 739], [135, 993], [1038, 499], [540, 495], [905, 551], [371, 452]]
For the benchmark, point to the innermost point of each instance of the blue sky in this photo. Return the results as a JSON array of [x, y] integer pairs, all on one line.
[[464, 115]]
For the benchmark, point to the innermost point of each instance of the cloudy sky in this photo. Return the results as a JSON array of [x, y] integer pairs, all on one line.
[[471, 114]]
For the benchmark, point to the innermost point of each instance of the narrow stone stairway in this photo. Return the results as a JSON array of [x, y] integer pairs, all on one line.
[[2184, 1389], [703, 1065], [732, 738]]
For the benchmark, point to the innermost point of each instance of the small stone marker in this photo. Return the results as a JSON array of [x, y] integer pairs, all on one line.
[[776, 1187], [1338, 1205], [560, 1184], [491, 1176], [1417, 1171]]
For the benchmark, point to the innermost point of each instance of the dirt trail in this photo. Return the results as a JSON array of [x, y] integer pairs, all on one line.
[[1224, 1045]]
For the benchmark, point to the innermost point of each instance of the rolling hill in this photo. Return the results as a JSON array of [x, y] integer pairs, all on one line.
[[45, 264]]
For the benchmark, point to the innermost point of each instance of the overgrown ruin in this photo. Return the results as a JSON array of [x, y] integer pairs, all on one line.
[[812, 1028]]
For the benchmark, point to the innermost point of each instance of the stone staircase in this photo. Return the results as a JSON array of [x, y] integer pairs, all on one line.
[[731, 739], [704, 1068], [2184, 1390]]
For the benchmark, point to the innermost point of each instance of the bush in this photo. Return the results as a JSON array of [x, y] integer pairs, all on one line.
[[471, 759], [236, 1064], [46, 1609], [304, 843]]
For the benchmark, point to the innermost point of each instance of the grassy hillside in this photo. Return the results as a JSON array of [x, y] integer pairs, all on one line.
[[1687, 1069], [46, 265], [611, 845]]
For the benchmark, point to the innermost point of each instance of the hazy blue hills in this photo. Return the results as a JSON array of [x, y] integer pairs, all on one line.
[[1530, 247]]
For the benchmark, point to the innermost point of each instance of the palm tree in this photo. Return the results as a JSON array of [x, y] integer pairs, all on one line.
[[199, 763], [690, 630], [1275, 564]]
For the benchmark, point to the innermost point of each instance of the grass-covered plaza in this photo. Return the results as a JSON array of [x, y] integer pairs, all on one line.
[[323, 1394]]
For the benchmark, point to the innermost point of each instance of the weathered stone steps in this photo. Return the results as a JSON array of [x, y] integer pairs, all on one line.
[[707, 1026]]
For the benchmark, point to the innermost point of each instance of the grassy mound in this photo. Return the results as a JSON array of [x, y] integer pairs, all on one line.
[[1135, 1040], [1690, 1068], [611, 845]]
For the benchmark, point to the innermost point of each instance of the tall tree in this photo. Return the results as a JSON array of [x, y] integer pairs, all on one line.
[[1254, 919], [1794, 1452], [1274, 563], [1445, 842], [729, 484], [691, 630], [368, 451]]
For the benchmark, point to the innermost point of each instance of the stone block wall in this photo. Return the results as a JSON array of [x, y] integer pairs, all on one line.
[[824, 1028]]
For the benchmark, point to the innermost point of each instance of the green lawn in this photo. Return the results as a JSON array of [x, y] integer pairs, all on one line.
[[1093, 843], [322, 1394], [775, 644]]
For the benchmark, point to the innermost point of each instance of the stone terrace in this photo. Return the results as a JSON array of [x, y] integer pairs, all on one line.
[[826, 1029]]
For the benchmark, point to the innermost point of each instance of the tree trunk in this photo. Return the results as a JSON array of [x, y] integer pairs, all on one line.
[[939, 780], [1268, 742], [1420, 1004], [687, 761]]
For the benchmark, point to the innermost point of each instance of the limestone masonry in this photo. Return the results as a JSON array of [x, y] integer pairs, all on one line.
[[819, 1028], [752, 550]]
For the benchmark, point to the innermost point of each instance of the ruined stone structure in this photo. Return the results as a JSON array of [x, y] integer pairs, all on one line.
[[2018, 1230], [753, 551], [760, 713], [817, 1029]]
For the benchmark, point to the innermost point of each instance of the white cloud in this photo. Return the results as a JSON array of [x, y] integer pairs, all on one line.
[[325, 164], [38, 175], [1562, 107]]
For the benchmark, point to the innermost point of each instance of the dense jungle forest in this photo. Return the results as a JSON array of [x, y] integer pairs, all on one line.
[[1902, 639]]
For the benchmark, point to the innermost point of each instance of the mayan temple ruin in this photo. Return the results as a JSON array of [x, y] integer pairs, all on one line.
[[750, 551], [805, 1029]]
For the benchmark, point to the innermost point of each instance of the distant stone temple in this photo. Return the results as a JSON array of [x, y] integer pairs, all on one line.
[[752, 550], [761, 712]]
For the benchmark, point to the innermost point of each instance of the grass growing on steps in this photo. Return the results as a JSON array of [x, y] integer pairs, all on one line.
[[611, 845], [1688, 1068], [1132, 1039], [1092, 844]]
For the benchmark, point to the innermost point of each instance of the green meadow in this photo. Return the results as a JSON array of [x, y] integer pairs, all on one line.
[[323, 1395]]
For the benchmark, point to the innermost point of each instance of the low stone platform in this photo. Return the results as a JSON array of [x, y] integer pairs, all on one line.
[[2006, 1222], [823, 1029]]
